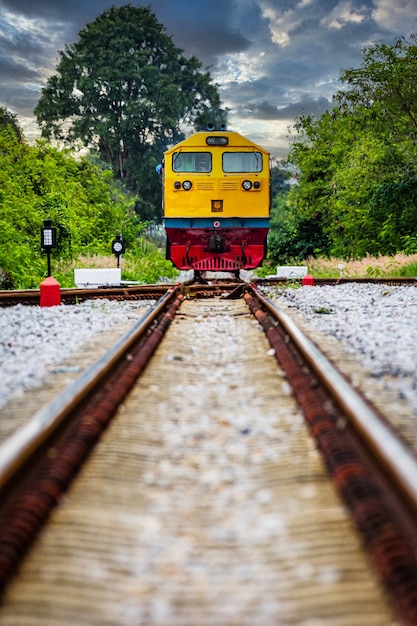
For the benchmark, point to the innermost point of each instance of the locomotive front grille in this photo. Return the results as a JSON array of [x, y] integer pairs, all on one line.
[[229, 185], [217, 264], [203, 185]]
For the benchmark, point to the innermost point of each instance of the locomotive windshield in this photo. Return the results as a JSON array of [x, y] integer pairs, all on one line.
[[242, 162], [191, 162]]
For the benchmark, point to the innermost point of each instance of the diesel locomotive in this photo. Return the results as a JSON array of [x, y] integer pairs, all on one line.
[[216, 202]]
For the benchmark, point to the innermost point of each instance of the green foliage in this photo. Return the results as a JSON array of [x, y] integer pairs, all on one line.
[[357, 163], [384, 93], [149, 264], [41, 182], [292, 238], [398, 226], [9, 120], [124, 90], [409, 270]]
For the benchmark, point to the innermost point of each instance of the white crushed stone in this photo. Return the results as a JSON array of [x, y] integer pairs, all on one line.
[[34, 340], [377, 322]]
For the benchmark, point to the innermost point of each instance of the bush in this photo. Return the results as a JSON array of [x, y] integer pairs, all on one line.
[[40, 182]]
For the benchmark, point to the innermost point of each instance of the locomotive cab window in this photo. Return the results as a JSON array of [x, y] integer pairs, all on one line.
[[191, 162], [242, 162]]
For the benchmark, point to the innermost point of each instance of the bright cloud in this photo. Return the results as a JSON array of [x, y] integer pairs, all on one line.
[[396, 15], [282, 23], [343, 14], [237, 68], [14, 26]]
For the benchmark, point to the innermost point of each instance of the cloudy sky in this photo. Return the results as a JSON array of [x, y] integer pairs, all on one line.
[[272, 59]]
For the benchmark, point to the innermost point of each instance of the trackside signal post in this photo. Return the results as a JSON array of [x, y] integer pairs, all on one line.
[[48, 240], [118, 247], [50, 293]]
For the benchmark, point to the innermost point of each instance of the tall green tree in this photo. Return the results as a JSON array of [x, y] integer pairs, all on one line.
[[125, 90], [357, 162], [382, 93]]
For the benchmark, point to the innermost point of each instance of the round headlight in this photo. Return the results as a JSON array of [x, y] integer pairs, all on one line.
[[256, 184], [187, 184], [177, 184], [247, 185]]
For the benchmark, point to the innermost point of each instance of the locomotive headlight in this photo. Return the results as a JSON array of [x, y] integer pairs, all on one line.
[[256, 184], [217, 141], [247, 185], [177, 184], [187, 184]]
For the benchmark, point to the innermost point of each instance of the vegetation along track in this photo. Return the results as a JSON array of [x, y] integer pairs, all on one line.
[[205, 500]]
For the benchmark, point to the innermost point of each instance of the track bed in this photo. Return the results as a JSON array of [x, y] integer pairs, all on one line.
[[204, 503]]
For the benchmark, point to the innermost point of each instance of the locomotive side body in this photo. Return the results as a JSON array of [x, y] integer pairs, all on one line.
[[216, 202]]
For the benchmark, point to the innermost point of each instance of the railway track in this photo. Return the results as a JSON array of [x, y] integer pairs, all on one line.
[[150, 292], [205, 500], [31, 297]]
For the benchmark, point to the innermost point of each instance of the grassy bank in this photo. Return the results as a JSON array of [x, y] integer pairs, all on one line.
[[400, 265], [146, 266], [151, 266], [383, 266]]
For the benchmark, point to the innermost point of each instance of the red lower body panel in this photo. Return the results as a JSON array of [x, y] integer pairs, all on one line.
[[221, 249]]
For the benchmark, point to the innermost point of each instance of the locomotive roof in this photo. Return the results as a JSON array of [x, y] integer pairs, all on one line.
[[198, 140]]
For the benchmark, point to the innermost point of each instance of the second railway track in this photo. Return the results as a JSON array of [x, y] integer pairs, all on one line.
[[205, 502]]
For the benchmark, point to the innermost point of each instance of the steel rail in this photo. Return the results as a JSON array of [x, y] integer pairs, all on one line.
[[399, 281], [16, 450], [390, 451], [31, 297], [75, 295]]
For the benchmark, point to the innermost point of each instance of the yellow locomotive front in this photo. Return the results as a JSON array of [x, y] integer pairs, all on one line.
[[216, 202]]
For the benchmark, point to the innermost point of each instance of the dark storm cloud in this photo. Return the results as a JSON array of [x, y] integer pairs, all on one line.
[[15, 71], [272, 59], [266, 111], [203, 28], [306, 106]]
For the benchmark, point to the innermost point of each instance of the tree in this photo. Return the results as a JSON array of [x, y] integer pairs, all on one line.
[[125, 90], [398, 225], [8, 119], [382, 92], [357, 163]]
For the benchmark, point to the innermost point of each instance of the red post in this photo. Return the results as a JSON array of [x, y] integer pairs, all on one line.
[[307, 280], [50, 292]]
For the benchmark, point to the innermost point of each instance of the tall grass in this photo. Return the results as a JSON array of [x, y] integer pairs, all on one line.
[[150, 267], [146, 265], [400, 265]]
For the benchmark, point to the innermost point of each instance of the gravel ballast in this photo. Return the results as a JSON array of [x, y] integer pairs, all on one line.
[[205, 503], [34, 340], [376, 323]]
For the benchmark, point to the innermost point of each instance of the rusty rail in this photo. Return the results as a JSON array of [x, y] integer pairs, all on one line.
[[374, 470], [80, 414]]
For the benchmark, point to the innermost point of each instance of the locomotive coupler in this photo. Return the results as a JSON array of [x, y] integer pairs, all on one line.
[[216, 243]]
